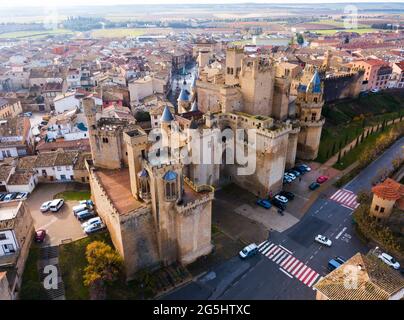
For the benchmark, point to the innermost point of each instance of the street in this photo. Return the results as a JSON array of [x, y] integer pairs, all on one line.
[[290, 262]]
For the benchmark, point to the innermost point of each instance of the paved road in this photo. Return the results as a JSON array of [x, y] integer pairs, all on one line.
[[291, 262]]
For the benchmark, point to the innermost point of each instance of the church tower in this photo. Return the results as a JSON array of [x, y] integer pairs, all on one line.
[[309, 103]]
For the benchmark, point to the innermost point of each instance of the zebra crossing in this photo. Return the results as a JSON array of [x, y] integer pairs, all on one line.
[[346, 198], [289, 264]]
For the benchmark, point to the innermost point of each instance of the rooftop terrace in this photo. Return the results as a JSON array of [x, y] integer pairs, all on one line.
[[116, 184]]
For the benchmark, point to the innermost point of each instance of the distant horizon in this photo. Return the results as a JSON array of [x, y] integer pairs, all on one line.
[[101, 3]]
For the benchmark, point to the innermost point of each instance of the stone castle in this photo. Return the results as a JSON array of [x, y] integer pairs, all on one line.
[[156, 205]]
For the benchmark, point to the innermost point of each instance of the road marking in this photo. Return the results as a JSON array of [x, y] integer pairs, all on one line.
[[301, 271], [286, 273], [311, 282], [286, 261], [270, 251], [304, 275], [297, 268], [286, 266], [286, 249], [262, 244], [271, 255], [308, 278], [293, 265], [278, 255], [45, 226], [339, 234], [267, 248], [282, 257]]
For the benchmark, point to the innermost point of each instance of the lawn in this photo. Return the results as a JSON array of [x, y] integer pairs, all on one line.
[[31, 287], [74, 195], [33, 34], [353, 155], [344, 120], [72, 261]]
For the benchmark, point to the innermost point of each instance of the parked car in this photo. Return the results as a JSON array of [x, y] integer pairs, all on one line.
[[264, 203], [10, 196], [79, 208], [278, 204], [22, 195], [375, 90], [300, 170], [389, 260], [84, 215], [287, 179], [91, 221], [94, 227], [287, 194], [250, 250], [323, 240], [335, 263], [2, 196], [314, 186], [295, 173], [281, 198], [87, 202], [322, 179], [291, 176], [45, 206], [27, 114], [304, 167], [56, 205], [40, 235]]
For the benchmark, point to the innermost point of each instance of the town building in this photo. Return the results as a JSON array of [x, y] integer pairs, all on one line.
[[15, 137], [16, 234], [387, 195], [362, 277]]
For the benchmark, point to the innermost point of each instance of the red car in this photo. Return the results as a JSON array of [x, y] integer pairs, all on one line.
[[322, 179], [40, 235]]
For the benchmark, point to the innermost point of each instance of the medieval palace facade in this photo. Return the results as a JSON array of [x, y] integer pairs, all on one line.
[[158, 208]]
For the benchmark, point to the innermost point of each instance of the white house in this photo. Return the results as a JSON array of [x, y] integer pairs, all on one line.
[[66, 102]]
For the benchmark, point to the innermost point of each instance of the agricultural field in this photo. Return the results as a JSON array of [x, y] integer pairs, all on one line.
[[34, 34], [127, 32], [331, 32]]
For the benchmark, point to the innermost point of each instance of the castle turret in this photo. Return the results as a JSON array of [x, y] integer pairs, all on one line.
[[183, 101], [309, 104], [136, 144]]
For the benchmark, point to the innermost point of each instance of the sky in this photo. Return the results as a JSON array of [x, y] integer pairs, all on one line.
[[52, 3]]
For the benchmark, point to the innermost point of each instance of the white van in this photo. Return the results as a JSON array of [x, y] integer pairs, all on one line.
[[78, 208], [56, 205]]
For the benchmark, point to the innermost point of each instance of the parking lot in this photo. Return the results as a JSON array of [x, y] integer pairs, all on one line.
[[61, 226]]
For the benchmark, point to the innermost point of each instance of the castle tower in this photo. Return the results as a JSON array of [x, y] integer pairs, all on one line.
[[234, 57], [105, 137], [327, 60], [183, 101], [309, 103], [257, 85], [136, 144]]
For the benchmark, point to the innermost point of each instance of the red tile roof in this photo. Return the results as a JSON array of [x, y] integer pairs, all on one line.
[[389, 190]]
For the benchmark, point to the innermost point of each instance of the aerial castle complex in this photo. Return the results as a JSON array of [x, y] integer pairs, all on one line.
[[156, 205]]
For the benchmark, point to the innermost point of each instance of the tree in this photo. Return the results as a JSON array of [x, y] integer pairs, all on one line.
[[339, 157], [104, 267], [346, 139], [334, 146], [299, 38]]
